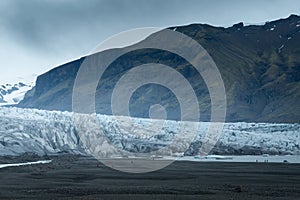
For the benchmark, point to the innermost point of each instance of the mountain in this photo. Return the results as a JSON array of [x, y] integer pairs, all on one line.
[[260, 66], [13, 93]]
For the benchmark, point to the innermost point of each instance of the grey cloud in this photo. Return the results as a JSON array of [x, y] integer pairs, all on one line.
[[42, 24]]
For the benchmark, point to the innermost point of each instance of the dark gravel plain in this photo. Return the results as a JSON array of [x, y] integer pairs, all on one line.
[[78, 177]]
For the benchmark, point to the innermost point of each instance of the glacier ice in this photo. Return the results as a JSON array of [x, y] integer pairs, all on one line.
[[50, 132]]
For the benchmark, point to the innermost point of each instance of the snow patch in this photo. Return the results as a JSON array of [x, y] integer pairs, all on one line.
[[280, 48], [11, 94]]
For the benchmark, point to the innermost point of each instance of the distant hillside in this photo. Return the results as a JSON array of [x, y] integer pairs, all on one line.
[[260, 66]]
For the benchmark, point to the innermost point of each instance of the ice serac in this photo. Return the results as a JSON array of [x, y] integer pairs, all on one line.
[[258, 63], [47, 132]]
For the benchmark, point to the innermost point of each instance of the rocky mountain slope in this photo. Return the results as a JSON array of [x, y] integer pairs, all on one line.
[[260, 66]]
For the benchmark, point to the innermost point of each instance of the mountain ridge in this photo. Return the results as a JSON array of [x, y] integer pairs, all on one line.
[[259, 64], [13, 93]]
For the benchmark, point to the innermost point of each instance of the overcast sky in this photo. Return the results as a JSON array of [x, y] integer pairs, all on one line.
[[37, 35]]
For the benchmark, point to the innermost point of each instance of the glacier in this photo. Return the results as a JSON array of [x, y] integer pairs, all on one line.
[[50, 132]]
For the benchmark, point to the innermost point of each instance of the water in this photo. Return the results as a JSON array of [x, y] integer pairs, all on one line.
[[27, 163], [247, 158]]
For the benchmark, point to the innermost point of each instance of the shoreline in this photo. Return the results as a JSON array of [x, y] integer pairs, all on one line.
[[31, 157]]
